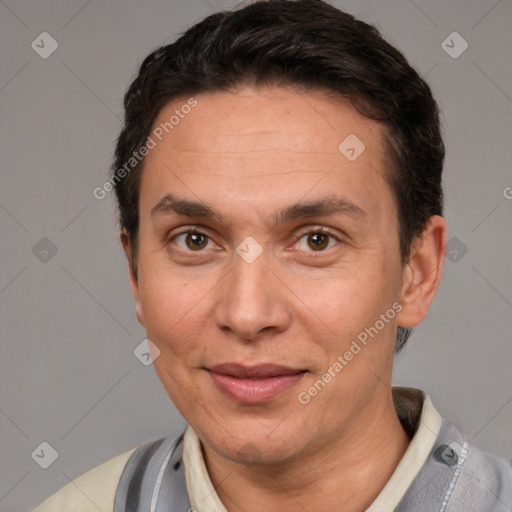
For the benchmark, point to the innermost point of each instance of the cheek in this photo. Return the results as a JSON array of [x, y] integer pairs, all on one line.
[[174, 310], [175, 319], [341, 304]]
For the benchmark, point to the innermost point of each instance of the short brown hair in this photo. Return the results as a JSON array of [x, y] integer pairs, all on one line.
[[307, 43]]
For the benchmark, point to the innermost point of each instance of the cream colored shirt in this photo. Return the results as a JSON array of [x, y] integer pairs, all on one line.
[[92, 492], [203, 497], [95, 490]]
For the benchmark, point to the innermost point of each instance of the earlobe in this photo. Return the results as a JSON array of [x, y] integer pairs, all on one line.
[[422, 273], [133, 273]]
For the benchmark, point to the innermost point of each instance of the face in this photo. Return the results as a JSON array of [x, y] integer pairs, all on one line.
[[265, 251]]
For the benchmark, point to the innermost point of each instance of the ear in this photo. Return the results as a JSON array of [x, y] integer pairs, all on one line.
[[126, 241], [422, 273]]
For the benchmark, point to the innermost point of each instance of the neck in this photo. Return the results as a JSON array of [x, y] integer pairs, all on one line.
[[349, 471]]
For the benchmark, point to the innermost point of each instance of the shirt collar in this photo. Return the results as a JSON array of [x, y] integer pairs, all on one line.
[[419, 419]]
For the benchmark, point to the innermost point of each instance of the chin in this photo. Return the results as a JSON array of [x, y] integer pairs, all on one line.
[[256, 448]]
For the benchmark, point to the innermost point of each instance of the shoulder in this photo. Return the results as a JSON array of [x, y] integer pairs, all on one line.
[[91, 491], [458, 475], [485, 479], [474, 479]]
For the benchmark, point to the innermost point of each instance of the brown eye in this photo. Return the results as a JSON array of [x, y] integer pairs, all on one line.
[[193, 241], [196, 241], [318, 241]]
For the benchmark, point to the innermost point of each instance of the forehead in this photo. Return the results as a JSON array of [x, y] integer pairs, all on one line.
[[263, 146]]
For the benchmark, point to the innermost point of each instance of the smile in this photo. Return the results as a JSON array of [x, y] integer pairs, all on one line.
[[254, 385]]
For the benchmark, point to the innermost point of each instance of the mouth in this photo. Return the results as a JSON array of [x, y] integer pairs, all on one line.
[[254, 384]]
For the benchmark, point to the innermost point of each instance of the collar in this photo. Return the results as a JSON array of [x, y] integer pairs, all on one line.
[[418, 416]]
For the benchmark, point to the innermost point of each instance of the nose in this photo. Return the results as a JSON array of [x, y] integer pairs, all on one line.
[[252, 300]]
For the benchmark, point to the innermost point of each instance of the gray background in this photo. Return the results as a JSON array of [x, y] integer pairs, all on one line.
[[68, 375]]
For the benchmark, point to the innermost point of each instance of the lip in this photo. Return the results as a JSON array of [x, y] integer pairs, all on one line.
[[254, 384]]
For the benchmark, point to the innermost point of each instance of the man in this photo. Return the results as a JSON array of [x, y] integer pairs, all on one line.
[[278, 179]]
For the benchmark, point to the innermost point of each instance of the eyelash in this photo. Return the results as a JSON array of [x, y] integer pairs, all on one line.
[[312, 231]]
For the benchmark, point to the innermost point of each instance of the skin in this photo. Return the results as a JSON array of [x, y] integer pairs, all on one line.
[[249, 153]]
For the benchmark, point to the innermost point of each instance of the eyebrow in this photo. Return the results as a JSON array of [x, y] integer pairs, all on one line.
[[171, 205]]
